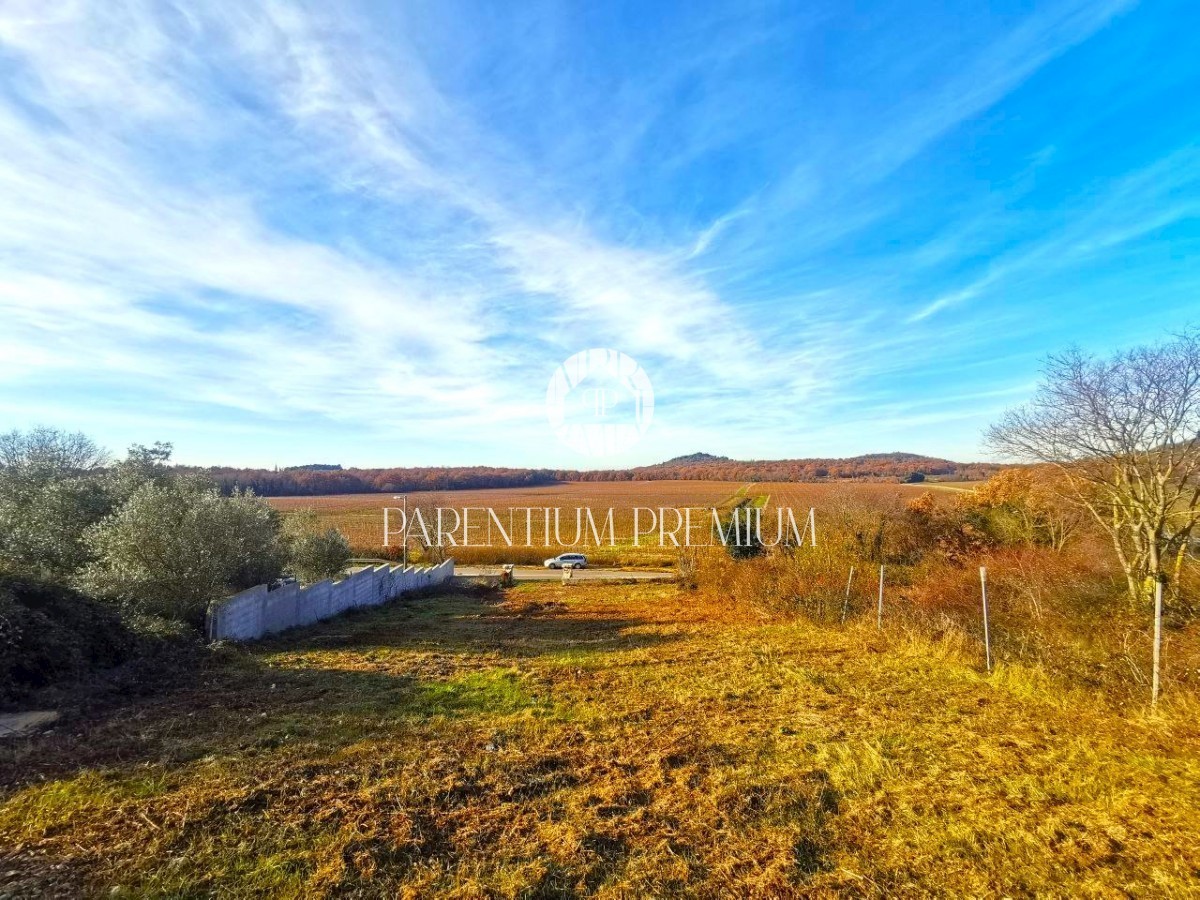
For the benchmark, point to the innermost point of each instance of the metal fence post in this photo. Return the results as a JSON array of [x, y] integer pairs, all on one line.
[[846, 602], [1158, 611], [879, 614], [987, 637]]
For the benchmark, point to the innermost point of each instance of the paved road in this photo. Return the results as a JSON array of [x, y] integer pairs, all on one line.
[[538, 573]]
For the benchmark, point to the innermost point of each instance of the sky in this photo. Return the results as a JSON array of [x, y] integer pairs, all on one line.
[[369, 233]]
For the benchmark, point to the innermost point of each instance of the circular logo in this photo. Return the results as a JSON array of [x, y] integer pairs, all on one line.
[[600, 402]]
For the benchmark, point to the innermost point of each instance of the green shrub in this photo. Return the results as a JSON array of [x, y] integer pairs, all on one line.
[[175, 547], [314, 553], [51, 490]]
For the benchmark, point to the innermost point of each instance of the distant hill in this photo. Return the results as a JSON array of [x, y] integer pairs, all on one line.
[[313, 480], [869, 467], [692, 458]]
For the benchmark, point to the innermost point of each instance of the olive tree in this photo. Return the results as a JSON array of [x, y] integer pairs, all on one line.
[[173, 547], [51, 491], [314, 553], [140, 465]]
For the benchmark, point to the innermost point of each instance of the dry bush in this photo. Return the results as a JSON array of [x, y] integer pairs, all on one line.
[[1061, 610], [687, 566], [781, 582], [1044, 606]]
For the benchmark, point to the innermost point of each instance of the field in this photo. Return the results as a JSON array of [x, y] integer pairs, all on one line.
[[613, 740], [360, 516]]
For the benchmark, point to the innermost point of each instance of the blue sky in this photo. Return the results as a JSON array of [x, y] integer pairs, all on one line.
[[368, 233]]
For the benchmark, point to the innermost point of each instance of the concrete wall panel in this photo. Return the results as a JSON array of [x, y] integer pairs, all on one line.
[[257, 612]]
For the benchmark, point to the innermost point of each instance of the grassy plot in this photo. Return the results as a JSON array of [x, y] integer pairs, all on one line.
[[614, 740]]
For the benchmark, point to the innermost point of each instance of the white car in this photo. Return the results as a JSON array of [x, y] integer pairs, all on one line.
[[567, 561]]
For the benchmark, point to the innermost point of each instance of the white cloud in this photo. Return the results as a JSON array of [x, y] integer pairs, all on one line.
[[133, 256], [160, 167]]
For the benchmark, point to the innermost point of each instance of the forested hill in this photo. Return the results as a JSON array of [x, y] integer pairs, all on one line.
[[332, 479]]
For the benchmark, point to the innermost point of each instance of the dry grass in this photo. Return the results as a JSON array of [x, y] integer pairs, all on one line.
[[612, 740]]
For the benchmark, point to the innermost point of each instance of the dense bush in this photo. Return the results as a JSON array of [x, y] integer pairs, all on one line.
[[51, 490], [314, 553], [173, 548], [135, 532], [50, 634], [1054, 603]]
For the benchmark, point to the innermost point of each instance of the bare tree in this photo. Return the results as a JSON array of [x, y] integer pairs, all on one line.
[[47, 452], [1124, 433]]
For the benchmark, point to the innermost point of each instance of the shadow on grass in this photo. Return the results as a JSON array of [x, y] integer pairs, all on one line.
[[249, 703], [255, 709], [470, 623]]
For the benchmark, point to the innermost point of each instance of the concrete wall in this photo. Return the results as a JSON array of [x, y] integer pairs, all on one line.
[[258, 612]]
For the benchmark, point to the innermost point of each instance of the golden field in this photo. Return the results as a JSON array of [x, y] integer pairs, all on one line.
[[360, 516]]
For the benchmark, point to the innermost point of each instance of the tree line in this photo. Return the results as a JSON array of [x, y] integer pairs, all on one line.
[[311, 480], [140, 534]]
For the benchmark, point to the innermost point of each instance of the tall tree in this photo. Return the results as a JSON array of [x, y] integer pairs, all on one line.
[[1124, 433]]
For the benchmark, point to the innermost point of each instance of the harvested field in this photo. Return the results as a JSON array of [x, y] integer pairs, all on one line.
[[360, 516]]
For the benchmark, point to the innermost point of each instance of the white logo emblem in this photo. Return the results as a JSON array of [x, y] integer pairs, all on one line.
[[600, 402]]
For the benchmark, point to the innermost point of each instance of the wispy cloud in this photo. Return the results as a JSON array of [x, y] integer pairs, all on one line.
[[391, 223]]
